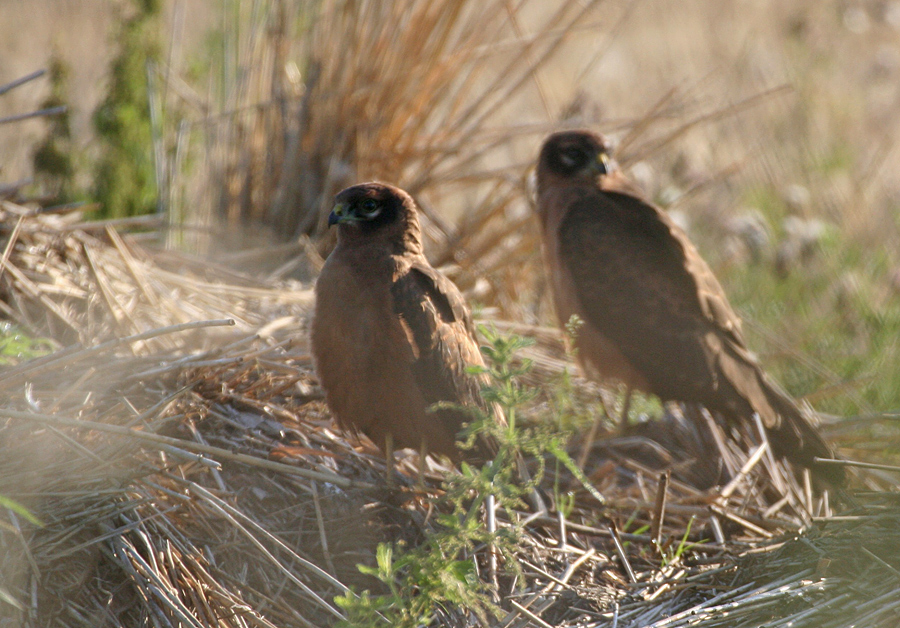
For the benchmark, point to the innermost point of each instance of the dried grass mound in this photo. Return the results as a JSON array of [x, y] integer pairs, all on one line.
[[444, 99], [186, 473]]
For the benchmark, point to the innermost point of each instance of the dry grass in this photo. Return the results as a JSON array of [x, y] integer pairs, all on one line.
[[305, 101], [189, 474], [728, 116], [831, 132], [434, 97]]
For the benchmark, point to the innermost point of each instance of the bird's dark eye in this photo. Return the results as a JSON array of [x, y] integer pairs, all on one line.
[[370, 208], [572, 157]]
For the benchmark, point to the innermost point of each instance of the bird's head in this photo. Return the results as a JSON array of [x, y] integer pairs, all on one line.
[[571, 156], [371, 210]]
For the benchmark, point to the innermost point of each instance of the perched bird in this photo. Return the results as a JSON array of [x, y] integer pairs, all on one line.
[[654, 315], [391, 336]]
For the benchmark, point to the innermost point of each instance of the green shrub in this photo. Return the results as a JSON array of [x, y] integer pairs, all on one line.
[[124, 175]]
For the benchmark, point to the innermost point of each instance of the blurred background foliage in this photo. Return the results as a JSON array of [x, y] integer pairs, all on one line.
[[769, 130], [124, 181]]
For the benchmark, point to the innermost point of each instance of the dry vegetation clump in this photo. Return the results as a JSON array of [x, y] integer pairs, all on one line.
[[189, 474], [789, 197], [448, 100], [172, 463], [435, 97]]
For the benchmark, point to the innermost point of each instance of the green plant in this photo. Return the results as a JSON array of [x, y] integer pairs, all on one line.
[[419, 581], [671, 556], [19, 509], [16, 346], [124, 175], [441, 571]]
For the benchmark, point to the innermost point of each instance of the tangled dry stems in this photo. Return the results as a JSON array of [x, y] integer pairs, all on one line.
[[189, 474]]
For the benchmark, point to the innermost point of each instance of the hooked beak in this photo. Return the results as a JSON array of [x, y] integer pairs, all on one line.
[[338, 214], [604, 164]]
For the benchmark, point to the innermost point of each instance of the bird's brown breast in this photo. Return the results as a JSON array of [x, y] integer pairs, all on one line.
[[598, 356], [361, 352], [364, 354]]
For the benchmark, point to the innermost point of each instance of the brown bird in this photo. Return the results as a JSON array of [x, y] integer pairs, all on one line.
[[391, 336], [654, 315]]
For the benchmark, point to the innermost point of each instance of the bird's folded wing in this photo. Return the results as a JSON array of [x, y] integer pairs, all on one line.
[[440, 331], [644, 287]]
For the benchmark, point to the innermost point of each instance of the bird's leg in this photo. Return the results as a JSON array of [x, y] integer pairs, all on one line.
[[389, 458], [609, 407], [589, 441], [537, 502], [626, 406], [423, 451]]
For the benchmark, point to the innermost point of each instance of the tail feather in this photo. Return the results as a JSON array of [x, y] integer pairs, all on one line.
[[796, 439], [790, 433]]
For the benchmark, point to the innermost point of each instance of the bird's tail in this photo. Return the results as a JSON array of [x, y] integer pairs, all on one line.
[[790, 433], [796, 439]]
